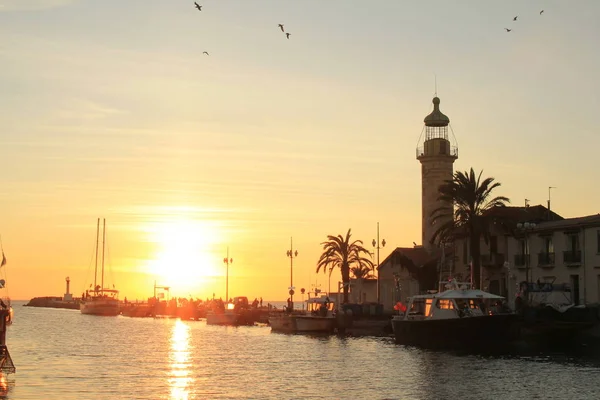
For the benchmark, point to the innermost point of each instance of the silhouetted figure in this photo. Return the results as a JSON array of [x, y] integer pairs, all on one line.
[[206, 52], [288, 35], [260, 302], [508, 30], [198, 6], [281, 27]]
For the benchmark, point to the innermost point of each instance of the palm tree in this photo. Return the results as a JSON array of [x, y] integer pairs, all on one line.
[[471, 199], [340, 252], [361, 272]]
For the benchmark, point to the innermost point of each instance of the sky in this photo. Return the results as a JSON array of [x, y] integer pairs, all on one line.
[[110, 109]]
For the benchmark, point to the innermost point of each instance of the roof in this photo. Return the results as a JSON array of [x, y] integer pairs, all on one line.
[[436, 118], [409, 257], [575, 223], [536, 213]]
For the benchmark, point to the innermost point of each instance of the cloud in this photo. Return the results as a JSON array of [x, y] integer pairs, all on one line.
[[32, 5]]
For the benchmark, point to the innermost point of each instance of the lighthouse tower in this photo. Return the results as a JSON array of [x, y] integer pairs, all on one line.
[[437, 157]]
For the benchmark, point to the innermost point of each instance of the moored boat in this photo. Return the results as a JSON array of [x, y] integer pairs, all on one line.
[[318, 318], [458, 317], [100, 300]]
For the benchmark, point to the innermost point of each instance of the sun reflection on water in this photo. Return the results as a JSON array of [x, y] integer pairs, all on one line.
[[179, 378]]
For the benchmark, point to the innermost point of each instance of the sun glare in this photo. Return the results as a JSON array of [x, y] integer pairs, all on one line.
[[183, 257]]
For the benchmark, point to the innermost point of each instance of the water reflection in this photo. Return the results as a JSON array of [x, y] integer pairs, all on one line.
[[179, 378]]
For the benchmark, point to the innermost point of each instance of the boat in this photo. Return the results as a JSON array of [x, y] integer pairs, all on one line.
[[456, 316], [233, 313], [548, 312], [100, 300], [319, 317], [6, 319]]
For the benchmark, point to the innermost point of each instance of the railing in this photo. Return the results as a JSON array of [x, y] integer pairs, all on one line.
[[453, 151], [572, 256], [521, 260], [545, 259], [492, 260]]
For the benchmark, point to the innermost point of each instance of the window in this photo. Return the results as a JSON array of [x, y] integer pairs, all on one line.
[[548, 245], [493, 244], [573, 242], [445, 304], [523, 247]]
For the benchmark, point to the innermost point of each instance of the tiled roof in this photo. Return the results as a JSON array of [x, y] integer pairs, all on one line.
[[536, 214]]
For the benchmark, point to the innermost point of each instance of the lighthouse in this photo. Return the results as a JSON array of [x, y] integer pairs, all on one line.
[[437, 156]]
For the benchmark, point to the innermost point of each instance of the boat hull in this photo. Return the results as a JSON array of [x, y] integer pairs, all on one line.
[[221, 318], [103, 307], [302, 324], [457, 332]]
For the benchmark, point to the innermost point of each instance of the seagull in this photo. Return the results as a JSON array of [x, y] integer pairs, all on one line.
[[515, 18], [281, 27], [206, 52], [508, 30], [198, 6], [288, 35], [541, 12]]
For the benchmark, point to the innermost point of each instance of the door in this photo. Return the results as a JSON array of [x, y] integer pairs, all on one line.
[[575, 289]]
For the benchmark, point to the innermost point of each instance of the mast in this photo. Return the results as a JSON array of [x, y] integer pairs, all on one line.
[[103, 246], [96, 267]]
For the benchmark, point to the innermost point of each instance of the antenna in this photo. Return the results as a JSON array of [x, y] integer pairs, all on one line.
[[549, 188], [435, 80]]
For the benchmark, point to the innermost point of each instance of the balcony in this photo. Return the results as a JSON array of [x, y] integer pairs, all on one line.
[[521, 260], [492, 260], [546, 259], [572, 257]]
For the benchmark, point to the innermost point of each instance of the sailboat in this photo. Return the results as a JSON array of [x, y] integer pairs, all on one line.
[[100, 300]]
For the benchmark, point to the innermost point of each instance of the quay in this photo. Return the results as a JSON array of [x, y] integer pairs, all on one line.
[[53, 302]]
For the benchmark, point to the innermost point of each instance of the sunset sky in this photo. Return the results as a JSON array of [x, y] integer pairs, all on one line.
[[109, 109]]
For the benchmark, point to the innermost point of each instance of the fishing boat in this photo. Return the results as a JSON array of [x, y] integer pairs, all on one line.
[[100, 300], [319, 317], [233, 313], [456, 317]]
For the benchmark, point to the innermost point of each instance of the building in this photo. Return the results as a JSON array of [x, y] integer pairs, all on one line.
[[496, 252], [410, 270], [559, 251]]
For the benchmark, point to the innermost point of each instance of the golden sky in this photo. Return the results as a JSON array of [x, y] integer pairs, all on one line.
[[110, 110]]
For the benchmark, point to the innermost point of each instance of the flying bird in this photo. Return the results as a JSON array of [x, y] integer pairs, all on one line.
[[198, 6], [288, 35], [206, 52], [281, 27], [508, 30], [515, 18], [541, 12]]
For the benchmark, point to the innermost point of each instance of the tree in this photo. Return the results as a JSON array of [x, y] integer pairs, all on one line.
[[361, 272], [470, 199], [341, 253]]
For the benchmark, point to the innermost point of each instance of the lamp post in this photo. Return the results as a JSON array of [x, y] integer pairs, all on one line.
[[378, 246], [526, 227], [292, 254], [227, 261]]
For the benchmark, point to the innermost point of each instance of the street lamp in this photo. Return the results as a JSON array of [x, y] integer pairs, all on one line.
[[292, 254], [227, 261], [377, 245], [526, 228]]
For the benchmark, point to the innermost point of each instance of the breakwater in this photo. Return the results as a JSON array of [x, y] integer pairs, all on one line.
[[53, 302]]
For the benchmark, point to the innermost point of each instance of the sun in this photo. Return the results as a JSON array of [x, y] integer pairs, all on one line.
[[183, 257]]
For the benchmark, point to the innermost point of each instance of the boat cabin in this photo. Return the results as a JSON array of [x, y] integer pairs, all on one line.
[[322, 306], [457, 301]]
